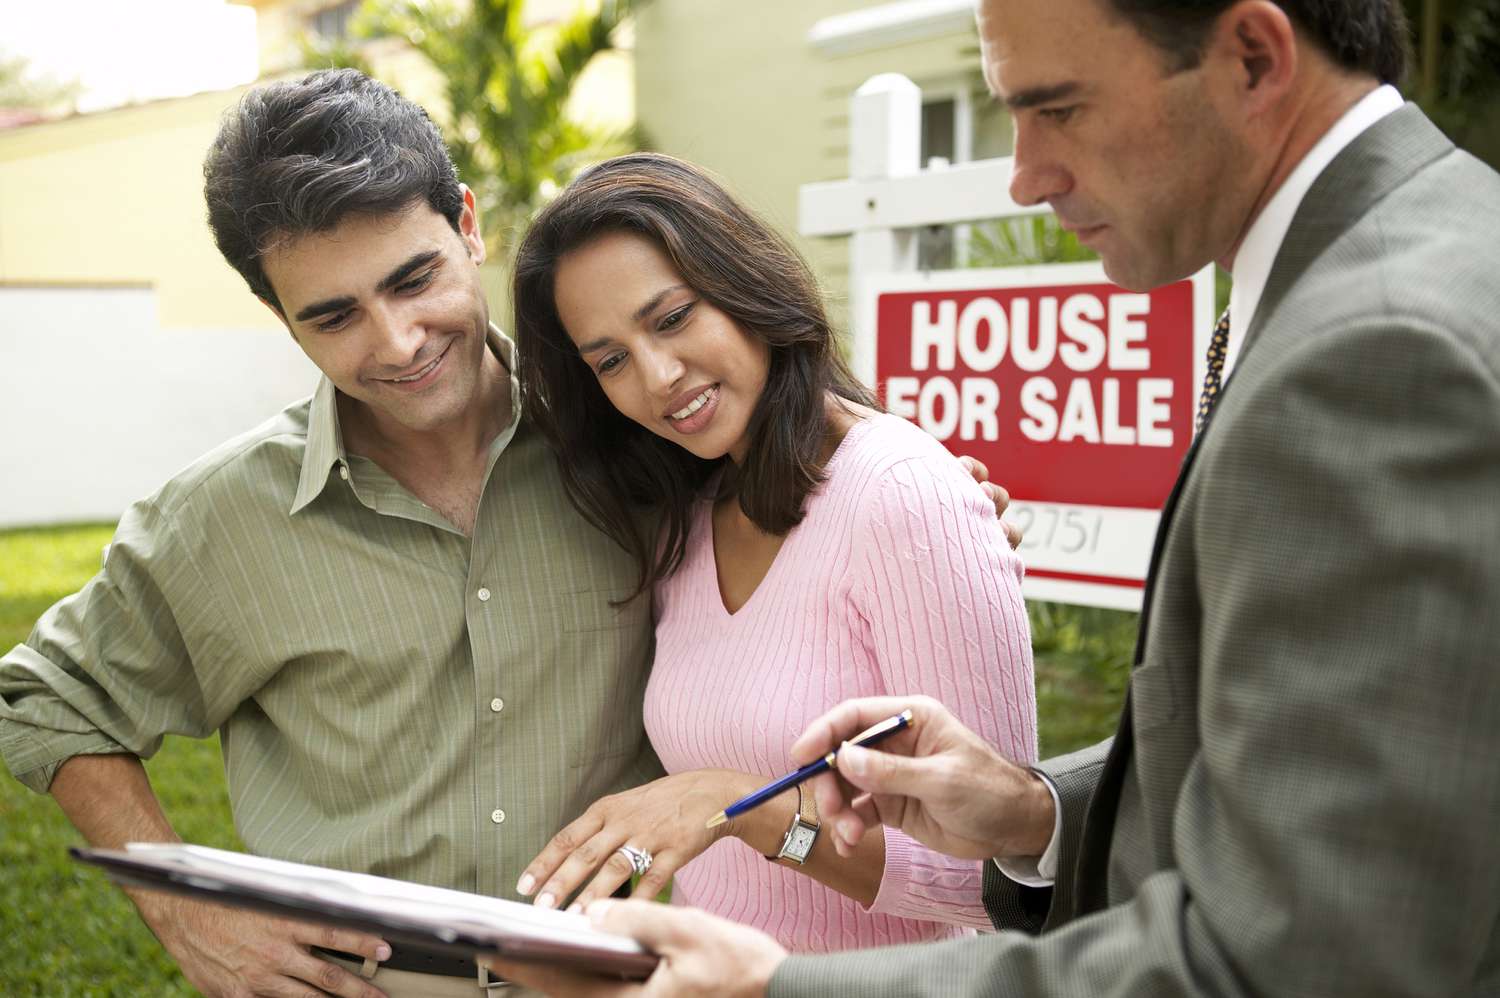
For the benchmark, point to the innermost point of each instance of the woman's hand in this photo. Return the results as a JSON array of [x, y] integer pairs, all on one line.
[[666, 818]]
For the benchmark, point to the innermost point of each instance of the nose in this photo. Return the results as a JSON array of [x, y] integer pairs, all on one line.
[[398, 338], [1036, 176], [661, 370]]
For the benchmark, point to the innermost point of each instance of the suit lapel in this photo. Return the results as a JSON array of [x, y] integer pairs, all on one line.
[[1092, 877], [1383, 156]]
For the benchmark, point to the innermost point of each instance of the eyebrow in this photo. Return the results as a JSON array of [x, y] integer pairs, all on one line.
[[401, 273], [1040, 95], [650, 306], [395, 277], [324, 307]]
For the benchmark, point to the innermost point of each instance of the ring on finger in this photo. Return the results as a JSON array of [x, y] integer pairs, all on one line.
[[640, 859]]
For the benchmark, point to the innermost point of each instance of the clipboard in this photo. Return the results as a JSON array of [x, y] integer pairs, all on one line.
[[396, 910]]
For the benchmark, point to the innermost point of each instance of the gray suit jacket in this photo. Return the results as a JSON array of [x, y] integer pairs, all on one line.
[[1303, 797]]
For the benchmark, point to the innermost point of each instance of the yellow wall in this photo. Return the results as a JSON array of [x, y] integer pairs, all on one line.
[[117, 197], [278, 26], [737, 88]]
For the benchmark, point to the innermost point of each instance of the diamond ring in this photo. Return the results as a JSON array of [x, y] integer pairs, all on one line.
[[640, 859]]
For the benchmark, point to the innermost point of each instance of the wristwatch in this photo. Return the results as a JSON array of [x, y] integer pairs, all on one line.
[[803, 832]]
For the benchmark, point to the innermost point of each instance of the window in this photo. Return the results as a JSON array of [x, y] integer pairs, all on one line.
[[333, 22], [959, 125]]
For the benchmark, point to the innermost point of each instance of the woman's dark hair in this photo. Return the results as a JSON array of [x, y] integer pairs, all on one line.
[[634, 485], [299, 156]]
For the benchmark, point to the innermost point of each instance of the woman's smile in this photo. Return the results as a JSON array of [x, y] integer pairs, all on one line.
[[696, 413]]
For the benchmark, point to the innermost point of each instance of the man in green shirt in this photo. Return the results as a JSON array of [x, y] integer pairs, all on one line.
[[381, 598]]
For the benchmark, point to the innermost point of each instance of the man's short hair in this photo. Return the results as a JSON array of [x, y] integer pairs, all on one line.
[[1363, 36], [298, 157]]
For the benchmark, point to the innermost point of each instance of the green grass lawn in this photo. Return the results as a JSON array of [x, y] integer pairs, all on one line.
[[65, 931]]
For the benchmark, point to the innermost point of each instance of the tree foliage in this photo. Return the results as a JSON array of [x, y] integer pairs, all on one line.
[[19, 89], [506, 91], [1457, 71]]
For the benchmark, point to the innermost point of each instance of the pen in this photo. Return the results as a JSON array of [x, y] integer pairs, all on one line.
[[869, 736]]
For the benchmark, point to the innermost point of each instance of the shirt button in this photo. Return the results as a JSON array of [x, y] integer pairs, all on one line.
[[343, 473], [497, 705], [497, 816], [483, 594]]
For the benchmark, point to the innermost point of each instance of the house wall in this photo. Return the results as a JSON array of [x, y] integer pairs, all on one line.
[[739, 89], [115, 198], [101, 403], [127, 345]]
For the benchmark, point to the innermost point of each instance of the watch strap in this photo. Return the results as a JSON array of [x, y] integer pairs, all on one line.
[[802, 833]]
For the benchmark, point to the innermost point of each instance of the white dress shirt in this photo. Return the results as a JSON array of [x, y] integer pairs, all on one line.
[[1251, 268], [1252, 264]]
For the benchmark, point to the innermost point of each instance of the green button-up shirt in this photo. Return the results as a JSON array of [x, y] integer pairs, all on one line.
[[392, 696]]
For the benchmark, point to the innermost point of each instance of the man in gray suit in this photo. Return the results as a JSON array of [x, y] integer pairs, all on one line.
[[1303, 796]]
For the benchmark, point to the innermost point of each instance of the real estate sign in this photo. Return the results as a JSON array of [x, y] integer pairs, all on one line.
[[1078, 395]]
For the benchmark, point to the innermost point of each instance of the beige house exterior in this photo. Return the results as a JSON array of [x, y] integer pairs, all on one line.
[[110, 282], [114, 198], [759, 93], [130, 346]]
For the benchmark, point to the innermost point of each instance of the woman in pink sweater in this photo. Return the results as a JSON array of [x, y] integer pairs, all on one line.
[[801, 548]]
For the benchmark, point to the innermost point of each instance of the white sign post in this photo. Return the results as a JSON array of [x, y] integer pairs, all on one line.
[[1079, 395]]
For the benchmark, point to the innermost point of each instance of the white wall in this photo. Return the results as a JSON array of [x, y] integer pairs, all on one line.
[[99, 405]]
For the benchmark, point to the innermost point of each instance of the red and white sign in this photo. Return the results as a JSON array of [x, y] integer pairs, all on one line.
[[1078, 395]]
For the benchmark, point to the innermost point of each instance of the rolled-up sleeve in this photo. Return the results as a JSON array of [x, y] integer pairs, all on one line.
[[108, 670]]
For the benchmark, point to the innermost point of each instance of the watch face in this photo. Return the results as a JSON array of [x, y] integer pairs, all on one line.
[[802, 840]]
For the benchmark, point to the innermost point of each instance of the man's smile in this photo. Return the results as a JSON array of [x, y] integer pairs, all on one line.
[[422, 376]]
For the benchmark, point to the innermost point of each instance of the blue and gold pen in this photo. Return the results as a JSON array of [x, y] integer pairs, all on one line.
[[867, 737]]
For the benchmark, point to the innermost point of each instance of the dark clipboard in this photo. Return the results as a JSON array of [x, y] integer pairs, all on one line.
[[588, 951]]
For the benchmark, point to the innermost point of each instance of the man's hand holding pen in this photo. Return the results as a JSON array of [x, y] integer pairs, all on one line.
[[937, 781]]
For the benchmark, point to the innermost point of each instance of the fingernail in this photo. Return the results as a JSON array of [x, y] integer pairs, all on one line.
[[546, 900], [597, 910], [382, 952], [575, 908], [852, 759], [526, 884]]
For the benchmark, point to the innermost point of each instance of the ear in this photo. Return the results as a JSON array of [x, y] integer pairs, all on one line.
[[468, 226], [1259, 43]]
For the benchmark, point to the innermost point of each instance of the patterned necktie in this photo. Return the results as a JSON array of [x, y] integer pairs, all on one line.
[[1211, 380]]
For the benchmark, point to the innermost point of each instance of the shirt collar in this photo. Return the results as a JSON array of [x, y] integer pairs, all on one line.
[[1252, 264], [325, 441]]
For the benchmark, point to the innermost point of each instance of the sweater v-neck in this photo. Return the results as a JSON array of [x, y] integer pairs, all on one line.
[[706, 523]]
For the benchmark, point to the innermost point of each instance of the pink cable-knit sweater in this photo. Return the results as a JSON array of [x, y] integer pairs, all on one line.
[[898, 581]]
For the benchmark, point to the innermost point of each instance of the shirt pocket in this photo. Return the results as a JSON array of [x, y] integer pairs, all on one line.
[[590, 610], [612, 647]]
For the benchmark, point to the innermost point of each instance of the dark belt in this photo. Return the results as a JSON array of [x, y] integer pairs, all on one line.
[[416, 960]]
